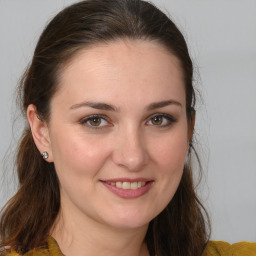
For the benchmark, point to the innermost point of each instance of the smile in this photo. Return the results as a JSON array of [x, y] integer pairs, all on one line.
[[127, 184], [128, 189]]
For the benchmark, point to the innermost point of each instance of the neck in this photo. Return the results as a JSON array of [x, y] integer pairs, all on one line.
[[86, 236]]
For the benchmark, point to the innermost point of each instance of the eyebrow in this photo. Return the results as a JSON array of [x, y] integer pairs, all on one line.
[[162, 104], [109, 107], [96, 105]]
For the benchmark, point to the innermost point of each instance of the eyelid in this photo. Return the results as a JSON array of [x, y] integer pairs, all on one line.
[[84, 121], [169, 118]]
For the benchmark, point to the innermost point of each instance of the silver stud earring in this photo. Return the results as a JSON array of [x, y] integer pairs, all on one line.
[[45, 155]]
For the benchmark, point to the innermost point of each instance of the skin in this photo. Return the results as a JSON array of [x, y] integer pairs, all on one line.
[[127, 143]]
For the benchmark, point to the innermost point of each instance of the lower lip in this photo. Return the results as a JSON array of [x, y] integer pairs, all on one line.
[[129, 193]]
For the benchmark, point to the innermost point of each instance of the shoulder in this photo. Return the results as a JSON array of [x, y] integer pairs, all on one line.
[[244, 248], [7, 251], [220, 248], [217, 248], [50, 248]]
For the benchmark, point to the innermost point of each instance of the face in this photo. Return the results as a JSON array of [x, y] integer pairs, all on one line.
[[118, 133]]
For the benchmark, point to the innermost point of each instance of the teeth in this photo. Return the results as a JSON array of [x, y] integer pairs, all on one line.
[[119, 184], [127, 184], [134, 185]]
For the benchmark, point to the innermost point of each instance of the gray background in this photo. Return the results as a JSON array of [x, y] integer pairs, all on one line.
[[222, 41]]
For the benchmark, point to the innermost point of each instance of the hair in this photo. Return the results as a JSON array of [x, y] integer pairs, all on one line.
[[182, 227]]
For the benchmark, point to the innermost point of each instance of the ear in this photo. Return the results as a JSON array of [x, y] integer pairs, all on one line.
[[191, 126], [40, 132]]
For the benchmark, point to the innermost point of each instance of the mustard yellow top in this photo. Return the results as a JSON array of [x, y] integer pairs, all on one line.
[[214, 248], [220, 248]]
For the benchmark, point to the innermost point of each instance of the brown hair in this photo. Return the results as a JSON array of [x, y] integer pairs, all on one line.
[[29, 215]]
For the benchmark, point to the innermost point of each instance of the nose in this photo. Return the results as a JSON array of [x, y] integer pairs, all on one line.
[[130, 150]]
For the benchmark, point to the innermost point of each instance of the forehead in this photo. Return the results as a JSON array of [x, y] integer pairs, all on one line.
[[123, 67]]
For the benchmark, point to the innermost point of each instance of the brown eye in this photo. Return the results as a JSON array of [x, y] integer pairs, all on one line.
[[161, 120], [95, 121], [157, 120]]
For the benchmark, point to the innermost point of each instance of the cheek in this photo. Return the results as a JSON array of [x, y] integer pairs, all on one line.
[[171, 152], [169, 157], [76, 156]]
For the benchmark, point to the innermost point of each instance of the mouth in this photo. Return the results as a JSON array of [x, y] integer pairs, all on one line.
[[127, 185], [128, 189]]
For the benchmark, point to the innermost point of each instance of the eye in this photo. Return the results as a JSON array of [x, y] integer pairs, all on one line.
[[161, 120], [95, 121]]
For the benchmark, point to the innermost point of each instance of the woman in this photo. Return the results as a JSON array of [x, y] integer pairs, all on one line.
[[104, 163]]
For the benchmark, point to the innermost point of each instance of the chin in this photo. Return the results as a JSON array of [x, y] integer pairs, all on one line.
[[130, 220]]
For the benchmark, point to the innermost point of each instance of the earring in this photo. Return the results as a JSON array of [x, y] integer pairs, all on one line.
[[45, 155]]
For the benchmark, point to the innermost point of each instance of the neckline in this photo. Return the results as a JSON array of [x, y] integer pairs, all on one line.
[[53, 247]]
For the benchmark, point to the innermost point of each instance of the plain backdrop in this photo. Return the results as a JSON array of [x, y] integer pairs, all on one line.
[[221, 35]]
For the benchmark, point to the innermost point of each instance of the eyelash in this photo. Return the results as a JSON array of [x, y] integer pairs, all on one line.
[[85, 121], [169, 119]]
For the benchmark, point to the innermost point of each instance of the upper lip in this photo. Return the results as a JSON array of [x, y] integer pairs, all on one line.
[[127, 180]]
